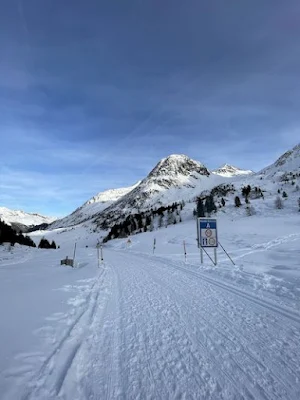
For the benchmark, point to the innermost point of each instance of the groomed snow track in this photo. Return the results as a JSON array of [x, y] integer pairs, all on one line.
[[151, 328]]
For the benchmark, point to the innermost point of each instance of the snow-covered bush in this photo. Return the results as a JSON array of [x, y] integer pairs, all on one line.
[[250, 210], [278, 203]]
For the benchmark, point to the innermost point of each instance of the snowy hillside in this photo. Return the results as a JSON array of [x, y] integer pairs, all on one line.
[[151, 324], [22, 218], [289, 162], [110, 196], [229, 170], [92, 207]]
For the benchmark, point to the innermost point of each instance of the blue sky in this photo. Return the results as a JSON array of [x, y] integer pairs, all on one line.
[[94, 93]]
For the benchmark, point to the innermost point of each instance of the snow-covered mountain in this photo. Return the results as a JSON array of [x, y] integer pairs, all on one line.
[[229, 170], [93, 207], [173, 179], [289, 162], [21, 218]]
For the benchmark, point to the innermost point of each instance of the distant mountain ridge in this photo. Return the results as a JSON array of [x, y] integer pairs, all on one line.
[[23, 220], [229, 170], [93, 206]]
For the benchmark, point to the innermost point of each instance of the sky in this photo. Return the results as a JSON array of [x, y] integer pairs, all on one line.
[[94, 93]]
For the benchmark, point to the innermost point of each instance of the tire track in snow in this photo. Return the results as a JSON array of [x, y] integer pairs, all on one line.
[[258, 391], [263, 302], [49, 380], [262, 247], [99, 375], [217, 369], [261, 367], [213, 367], [134, 343], [163, 351]]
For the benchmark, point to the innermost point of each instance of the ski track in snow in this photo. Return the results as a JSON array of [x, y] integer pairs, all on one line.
[[151, 328]]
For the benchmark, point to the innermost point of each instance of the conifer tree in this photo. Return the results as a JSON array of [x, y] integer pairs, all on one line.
[[200, 208], [237, 201]]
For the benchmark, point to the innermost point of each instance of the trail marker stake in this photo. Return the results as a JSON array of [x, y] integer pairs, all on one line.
[[101, 250], [154, 243], [184, 248], [99, 254]]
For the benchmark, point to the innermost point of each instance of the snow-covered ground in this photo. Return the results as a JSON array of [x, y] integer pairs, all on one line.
[[152, 326]]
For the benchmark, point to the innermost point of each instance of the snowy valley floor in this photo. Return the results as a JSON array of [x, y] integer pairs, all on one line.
[[146, 326]]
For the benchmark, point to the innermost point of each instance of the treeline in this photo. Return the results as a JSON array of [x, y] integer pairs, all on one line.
[[8, 234], [205, 203], [248, 193], [146, 221]]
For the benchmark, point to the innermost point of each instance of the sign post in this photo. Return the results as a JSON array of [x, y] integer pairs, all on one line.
[[207, 236]]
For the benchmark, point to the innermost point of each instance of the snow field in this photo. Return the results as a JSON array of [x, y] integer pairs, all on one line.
[[150, 326]]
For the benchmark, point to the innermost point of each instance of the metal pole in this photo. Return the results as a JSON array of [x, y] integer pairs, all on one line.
[[215, 254], [98, 257], [201, 255], [208, 255], [227, 254], [154, 242]]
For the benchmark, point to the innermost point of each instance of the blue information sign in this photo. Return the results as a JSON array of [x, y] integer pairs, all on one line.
[[207, 232]]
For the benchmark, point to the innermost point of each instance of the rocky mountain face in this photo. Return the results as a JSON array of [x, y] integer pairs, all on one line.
[[173, 179], [229, 170], [21, 220]]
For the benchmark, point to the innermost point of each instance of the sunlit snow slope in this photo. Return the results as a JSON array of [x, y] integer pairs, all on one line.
[[21, 217]]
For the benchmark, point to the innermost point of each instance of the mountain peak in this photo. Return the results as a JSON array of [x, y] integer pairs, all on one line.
[[228, 170], [177, 164]]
